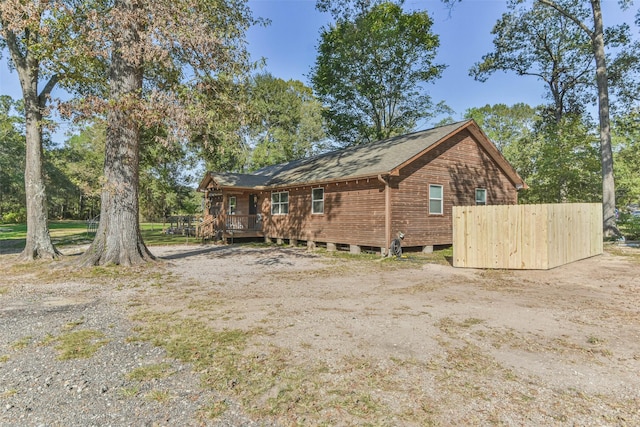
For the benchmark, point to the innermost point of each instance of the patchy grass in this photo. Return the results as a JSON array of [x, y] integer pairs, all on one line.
[[632, 254], [21, 343], [270, 381], [215, 409], [79, 344], [4, 358], [150, 372], [129, 392], [71, 325], [159, 396]]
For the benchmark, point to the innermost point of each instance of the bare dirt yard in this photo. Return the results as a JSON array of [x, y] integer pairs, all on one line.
[[242, 334]]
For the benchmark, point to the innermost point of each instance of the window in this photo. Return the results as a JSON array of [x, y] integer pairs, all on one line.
[[435, 199], [280, 203], [232, 205], [317, 200], [481, 196]]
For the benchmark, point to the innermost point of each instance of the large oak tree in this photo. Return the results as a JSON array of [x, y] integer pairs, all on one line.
[[566, 49], [160, 58]]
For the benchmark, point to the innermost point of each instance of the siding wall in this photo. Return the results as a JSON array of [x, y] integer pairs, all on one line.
[[354, 211], [460, 165]]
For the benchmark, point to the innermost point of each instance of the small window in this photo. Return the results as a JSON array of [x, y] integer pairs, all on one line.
[[280, 203], [481, 196], [317, 200], [435, 199], [232, 205]]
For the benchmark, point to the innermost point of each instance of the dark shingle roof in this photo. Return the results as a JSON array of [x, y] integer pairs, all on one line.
[[366, 160]]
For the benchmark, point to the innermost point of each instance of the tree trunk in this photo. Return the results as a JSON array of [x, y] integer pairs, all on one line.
[[118, 239], [38, 241], [608, 184]]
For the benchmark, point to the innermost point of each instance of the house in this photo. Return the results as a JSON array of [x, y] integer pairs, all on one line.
[[362, 196]]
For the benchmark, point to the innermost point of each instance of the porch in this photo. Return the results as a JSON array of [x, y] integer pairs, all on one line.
[[230, 226]]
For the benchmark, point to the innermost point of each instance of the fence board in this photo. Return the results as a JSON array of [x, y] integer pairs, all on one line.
[[526, 236]]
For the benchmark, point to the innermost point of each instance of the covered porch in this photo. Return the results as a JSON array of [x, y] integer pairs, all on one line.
[[226, 227]]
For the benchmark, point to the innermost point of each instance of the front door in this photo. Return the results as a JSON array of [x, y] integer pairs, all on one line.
[[253, 204]]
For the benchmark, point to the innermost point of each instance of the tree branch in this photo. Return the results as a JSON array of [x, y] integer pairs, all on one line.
[[46, 91], [18, 58], [552, 4]]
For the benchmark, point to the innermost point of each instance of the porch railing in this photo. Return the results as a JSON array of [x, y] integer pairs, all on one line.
[[243, 222], [237, 223]]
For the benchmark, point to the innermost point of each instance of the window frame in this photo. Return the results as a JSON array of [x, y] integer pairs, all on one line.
[[484, 193], [436, 199], [282, 206], [314, 201], [233, 205]]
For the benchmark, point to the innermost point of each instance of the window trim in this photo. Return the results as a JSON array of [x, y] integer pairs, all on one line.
[[279, 203], [484, 192], [440, 199], [313, 201], [233, 205]]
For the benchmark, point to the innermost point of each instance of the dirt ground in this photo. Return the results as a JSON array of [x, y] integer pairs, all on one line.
[[415, 341]]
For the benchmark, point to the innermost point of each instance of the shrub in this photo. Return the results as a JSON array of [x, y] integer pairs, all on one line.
[[16, 217], [629, 226]]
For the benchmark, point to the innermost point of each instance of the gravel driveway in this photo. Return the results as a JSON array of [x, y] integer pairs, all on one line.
[[425, 343]]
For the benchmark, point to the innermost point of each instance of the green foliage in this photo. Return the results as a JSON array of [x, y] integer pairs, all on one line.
[[166, 172], [626, 142], [286, 121], [629, 226], [15, 217], [539, 42], [12, 156], [558, 160], [565, 163], [78, 180], [371, 70], [505, 124]]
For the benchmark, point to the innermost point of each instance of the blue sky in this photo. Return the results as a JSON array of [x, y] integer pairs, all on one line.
[[289, 46]]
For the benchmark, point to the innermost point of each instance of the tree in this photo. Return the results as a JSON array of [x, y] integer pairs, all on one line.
[[165, 172], [371, 70], [513, 130], [30, 32], [590, 24], [287, 121], [81, 160], [595, 31], [540, 43], [626, 140], [565, 166], [12, 146], [161, 57], [558, 160]]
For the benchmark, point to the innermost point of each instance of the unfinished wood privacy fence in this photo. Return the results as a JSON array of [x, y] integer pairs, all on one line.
[[526, 236]]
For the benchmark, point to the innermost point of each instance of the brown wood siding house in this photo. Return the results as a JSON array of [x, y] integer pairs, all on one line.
[[363, 196]]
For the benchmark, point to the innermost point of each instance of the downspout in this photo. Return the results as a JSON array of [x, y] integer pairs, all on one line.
[[387, 213]]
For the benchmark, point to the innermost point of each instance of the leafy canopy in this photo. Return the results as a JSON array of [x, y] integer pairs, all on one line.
[[371, 72], [286, 121]]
